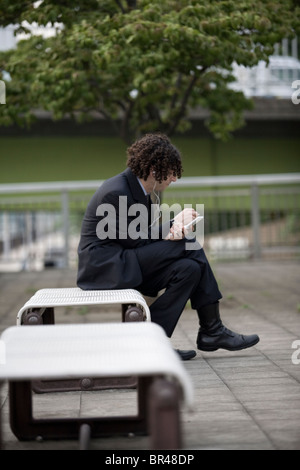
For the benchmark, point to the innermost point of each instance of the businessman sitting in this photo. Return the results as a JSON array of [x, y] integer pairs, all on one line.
[[118, 250]]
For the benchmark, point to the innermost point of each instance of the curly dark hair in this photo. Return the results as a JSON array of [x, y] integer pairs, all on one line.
[[154, 152]]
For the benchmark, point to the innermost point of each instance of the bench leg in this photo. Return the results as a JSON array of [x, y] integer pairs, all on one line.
[[84, 436], [1, 383], [26, 427], [20, 406], [39, 317], [132, 313], [164, 415]]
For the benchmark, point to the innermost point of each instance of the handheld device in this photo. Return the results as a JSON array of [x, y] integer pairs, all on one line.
[[193, 222]]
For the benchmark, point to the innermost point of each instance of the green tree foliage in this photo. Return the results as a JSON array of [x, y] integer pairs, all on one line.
[[141, 64]]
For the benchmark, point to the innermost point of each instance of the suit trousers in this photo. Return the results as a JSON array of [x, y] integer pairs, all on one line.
[[183, 273]]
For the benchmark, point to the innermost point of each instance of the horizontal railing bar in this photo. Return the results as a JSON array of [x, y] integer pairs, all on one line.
[[233, 180], [216, 192], [13, 201], [238, 180], [53, 186]]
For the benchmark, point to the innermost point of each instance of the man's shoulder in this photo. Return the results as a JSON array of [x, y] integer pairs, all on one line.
[[116, 183], [122, 184]]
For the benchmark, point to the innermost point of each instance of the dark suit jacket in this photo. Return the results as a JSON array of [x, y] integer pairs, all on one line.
[[111, 262]]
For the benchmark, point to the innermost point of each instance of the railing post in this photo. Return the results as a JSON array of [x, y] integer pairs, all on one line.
[[66, 225], [255, 221], [6, 235], [28, 240]]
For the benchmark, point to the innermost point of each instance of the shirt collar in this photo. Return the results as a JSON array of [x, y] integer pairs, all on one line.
[[144, 190]]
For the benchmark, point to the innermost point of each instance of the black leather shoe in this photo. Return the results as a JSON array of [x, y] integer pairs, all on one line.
[[214, 335], [186, 355], [225, 339]]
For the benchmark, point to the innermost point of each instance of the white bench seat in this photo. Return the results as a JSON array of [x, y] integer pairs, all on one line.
[[74, 296], [100, 350]]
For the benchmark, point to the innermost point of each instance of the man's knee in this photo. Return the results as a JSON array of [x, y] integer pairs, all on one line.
[[189, 269]]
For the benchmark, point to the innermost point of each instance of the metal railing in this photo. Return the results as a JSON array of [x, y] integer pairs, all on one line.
[[249, 216], [246, 215]]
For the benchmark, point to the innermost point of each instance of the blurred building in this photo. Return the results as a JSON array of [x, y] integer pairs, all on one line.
[[7, 38], [272, 80]]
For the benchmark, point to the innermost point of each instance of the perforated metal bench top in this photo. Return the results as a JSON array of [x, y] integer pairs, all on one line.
[[73, 296]]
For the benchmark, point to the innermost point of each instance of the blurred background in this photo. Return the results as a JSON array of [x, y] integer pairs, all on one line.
[[249, 184]]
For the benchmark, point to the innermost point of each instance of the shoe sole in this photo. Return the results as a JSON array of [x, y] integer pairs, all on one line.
[[186, 355], [208, 349]]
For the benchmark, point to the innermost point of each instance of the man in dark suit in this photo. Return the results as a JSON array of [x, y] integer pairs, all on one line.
[[120, 247]]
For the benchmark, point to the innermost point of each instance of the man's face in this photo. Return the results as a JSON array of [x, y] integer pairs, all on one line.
[[165, 183]]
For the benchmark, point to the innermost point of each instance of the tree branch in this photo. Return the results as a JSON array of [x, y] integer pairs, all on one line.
[[154, 113], [118, 2], [124, 131], [175, 96], [183, 105], [131, 4]]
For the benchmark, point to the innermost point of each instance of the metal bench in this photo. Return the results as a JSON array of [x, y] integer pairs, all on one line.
[[100, 350], [40, 309]]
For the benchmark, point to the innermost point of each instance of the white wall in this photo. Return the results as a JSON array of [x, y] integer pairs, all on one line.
[[7, 38]]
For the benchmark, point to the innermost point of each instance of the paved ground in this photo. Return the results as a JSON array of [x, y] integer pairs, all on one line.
[[244, 400]]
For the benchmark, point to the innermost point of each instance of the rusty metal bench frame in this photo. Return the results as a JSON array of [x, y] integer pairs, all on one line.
[[158, 410]]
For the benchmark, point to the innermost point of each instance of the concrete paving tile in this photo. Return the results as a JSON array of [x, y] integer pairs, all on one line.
[[49, 405], [222, 433], [109, 403]]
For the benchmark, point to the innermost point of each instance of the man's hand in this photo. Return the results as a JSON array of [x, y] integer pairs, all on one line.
[[177, 231]]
